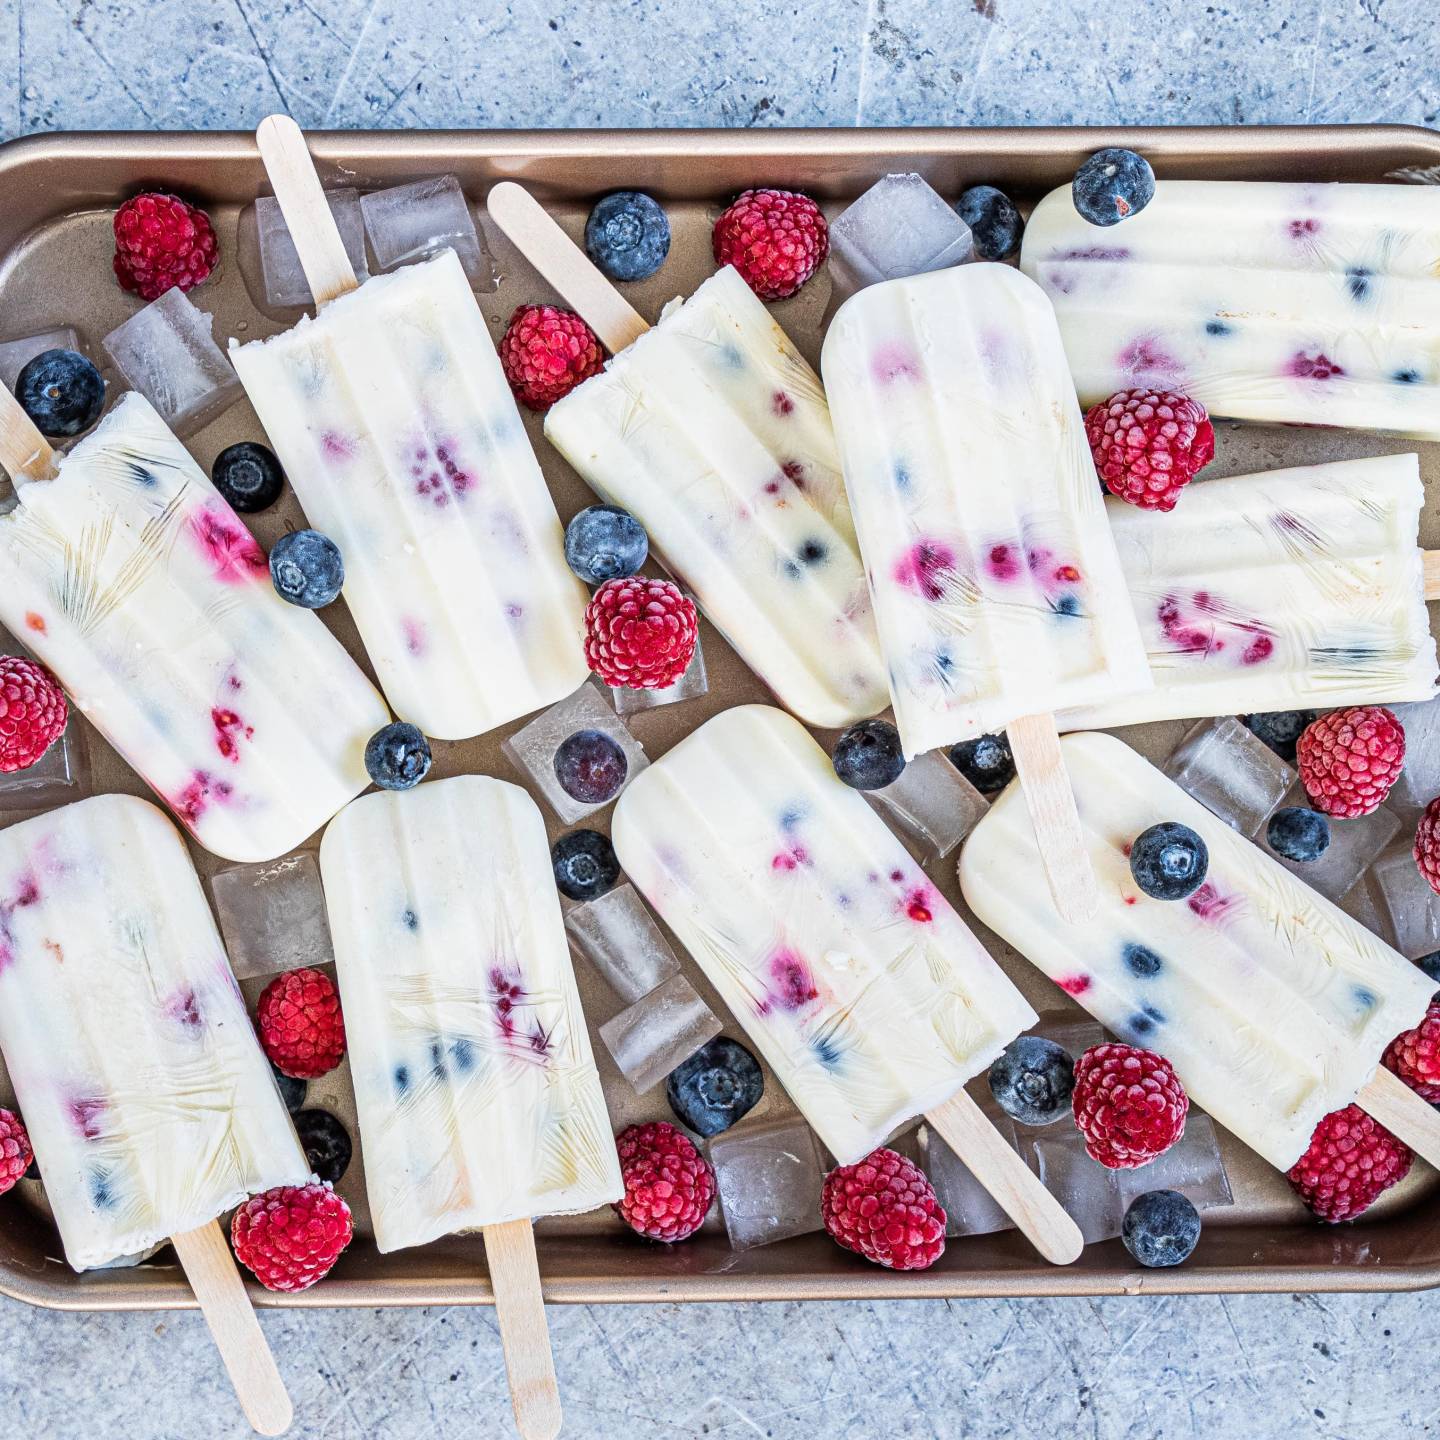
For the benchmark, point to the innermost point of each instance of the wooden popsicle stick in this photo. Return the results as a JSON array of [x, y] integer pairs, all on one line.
[[210, 1268], [24, 451], [307, 213], [556, 256], [1388, 1099], [1431, 561], [1035, 744], [524, 1335], [1010, 1181]]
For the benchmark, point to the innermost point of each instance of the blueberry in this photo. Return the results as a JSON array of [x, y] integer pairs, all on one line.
[[1112, 185], [249, 476], [585, 864], [1430, 964], [325, 1142], [32, 1170], [627, 235], [590, 766], [1169, 861], [1142, 962], [1280, 729], [1406, 377], [995, 223], [1298, 834], [986, 762], [604, 543], [397, 757], [61, 391], [306, 569], [292, 1091], [1161, 1228], [868, 755], [715, 1087], [1033, 1080]]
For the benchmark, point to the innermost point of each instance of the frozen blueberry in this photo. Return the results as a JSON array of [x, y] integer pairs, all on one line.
[[995, 223], [1169, 861], [627, 235], [604, 543], [1430, 964], [1033, 1080], [292, 1091], [585, 864], [306, 569], [397, 757], [1298, 834], [868, 755], [1161, 1228], [1280, 729], [1112, 185], [985, 762], [715, 1087], [590, 766], [325, 1142], [61, 391], [248, 475]]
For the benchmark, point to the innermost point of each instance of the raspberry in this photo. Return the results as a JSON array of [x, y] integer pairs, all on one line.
[[15, 1151], [1415, 1056], [639, 633], [1149, 444], [1351, 1161], [546, 353], [33, 712], [668, 1183], [301, 1027], [776, 239], [885, 1209], [1350, 758], [1427, 844], [291, 1236], [161, 242], [1129, 1104]]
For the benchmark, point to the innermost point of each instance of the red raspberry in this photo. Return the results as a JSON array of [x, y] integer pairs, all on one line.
[[33, 712], [668, 1183], [291, 1236], [1427, 844], [15, 1151], [1415, 1056], [639, 633], [1350, 758], [776, 239], [1149, 444], [885, 1209], [1351, 1161], [546, 353], [160, 242], [301, 1027], [1129, 1104]]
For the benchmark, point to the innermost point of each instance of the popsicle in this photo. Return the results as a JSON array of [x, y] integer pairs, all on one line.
[[150, 1106], [479, 1102], [1281, 591], [1280, 303], [125, 571], [713, 431], [861, 986], [395, 425], [1273, 1005]]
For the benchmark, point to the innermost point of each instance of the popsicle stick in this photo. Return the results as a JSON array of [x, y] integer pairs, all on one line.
[[1388, 1099], [1035, 744], [524, 1335], [307, 214], [24, 451], [1431, 561], [210, 1268], [1010, 1181], [556, 256]]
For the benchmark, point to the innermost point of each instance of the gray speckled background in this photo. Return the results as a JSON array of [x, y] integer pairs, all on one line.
[[1243, 1366]]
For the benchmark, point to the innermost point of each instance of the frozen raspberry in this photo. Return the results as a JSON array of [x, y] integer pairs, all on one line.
[[1350, 758], [1415, 1056], [776, 239], [1149, 444], [546, 353], [1351, 1161], [291, 1236], [1427, 844], [33, 712], [161, 242], [1129, 1104], [639, 633], [885, 1209], [668, 1183], [15, 1151], [301, 1027]]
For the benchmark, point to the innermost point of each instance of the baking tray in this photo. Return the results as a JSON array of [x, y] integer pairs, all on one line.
[[55, 249]]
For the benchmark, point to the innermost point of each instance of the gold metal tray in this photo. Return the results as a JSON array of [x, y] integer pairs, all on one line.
[[55, 249]]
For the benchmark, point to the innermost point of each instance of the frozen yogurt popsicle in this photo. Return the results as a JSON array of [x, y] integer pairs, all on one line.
[[1280, 303]]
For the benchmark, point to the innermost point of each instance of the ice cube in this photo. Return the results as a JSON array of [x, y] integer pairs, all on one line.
[[15, 355], [617, 935], [1223, 766], [1419, 781], [1192, 1165], [690, 686], [1405, 901], [284, 280], [413, 222], [1359, 903], [1084, 1187], [1074, 1033], [934, 805], [272, 915], [770, 1181], [969, 1208], [1353, 845], [650, 1038], [60, 775], [167, 352]]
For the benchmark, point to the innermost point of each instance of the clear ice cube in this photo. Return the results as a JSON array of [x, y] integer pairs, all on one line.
[[1354, 844], [60, 775], [280, 270], [969, 1208], [413, 222], [1419, 781], [1084, 1187], [651, 1037], [935, 806], [272, 915], [15, 355], [618, 936], [690, 686], [1405, 902], [770, 1181], [1359, 903], [1231, 773], [1192, 1165]]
